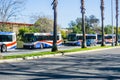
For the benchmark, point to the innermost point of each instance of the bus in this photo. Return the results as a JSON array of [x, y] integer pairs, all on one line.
[[118, 38], [76, 39], [91, 39], [109, 38], [7, 41], [40, 40], [99, 38]]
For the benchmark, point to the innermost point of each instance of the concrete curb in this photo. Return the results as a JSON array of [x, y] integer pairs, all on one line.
[[52, 55], [79, 52], [28, 58]]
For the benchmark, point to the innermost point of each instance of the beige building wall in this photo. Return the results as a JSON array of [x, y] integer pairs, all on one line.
[[14, 27]]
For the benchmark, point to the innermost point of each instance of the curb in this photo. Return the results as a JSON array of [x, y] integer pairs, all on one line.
[[51, 55], [29, 58], [78, 52]]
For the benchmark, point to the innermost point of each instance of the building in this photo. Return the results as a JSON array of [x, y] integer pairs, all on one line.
[[12, 26]]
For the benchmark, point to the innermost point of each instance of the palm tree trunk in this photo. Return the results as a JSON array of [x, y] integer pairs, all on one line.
[[102, 20], [83, 24], [116, 42], [54, 47]]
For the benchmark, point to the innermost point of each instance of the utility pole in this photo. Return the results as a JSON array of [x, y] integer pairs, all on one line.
[[54, 47], [83, 24]]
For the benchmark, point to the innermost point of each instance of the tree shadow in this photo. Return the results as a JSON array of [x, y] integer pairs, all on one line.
[[67, 67]]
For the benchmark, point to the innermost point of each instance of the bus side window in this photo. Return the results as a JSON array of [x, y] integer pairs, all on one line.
[[9, 38], [57, 37], [51, 37]]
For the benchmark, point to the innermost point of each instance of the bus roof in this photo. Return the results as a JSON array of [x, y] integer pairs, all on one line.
[[82, 34], [7, 33], [109, 34], [42, 33]]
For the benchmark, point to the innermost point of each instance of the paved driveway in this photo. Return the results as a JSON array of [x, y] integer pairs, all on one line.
[[97, 65]]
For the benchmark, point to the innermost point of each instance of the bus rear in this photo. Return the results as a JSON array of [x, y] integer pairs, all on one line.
[[7, 41]]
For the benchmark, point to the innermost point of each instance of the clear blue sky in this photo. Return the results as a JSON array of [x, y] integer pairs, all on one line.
[[67, 10]]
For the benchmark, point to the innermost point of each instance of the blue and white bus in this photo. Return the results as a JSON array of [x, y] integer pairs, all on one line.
[[76, 39], [108, 38], [7, 41], [40, 40]]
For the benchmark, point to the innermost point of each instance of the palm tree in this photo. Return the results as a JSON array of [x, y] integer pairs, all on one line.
[[54, 47], [116, 42], [83, 24], [102, 20]]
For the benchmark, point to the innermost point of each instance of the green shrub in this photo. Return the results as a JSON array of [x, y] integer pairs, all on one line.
[[19, 44]]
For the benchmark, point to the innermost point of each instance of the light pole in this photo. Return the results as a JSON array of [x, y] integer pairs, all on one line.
[[112, 22]]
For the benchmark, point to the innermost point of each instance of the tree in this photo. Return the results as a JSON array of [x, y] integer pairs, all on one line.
[[93, 21], [54, 48], [116, 42], [108, 29], [75, 26], [8, 9], [64, 34], [22, 31], [102, 21], [91, 24], [44, 24], [83, 24]]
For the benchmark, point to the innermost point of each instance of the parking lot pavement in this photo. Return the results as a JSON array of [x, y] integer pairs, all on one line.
[[97, 65]]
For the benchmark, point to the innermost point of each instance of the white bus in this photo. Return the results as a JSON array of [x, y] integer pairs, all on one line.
[[76, 39], [40, 40], [7, 41], [109, 38], [91, 39]]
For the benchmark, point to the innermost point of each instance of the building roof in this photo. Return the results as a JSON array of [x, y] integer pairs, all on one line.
[[14, 23]]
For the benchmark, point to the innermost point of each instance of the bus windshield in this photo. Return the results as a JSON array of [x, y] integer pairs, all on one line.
[[108, 37], [29, 38], [5, 38], [99, 37], [44, 37], [90, 37], [72, 38]]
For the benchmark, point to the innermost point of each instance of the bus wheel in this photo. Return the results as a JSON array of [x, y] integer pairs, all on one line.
[[3, 48], [41, 46]]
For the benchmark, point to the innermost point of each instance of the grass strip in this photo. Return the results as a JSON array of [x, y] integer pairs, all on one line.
[[48, 52]]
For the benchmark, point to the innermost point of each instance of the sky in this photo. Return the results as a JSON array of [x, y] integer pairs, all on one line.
[[68, 10]]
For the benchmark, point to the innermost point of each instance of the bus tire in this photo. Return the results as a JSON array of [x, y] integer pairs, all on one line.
[[41, 46], [3, 48]]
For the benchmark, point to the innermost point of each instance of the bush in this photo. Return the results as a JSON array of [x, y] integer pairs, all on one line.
[[19, 44]]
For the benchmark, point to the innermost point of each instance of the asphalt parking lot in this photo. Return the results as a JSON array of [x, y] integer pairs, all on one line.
[[93, 65]]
